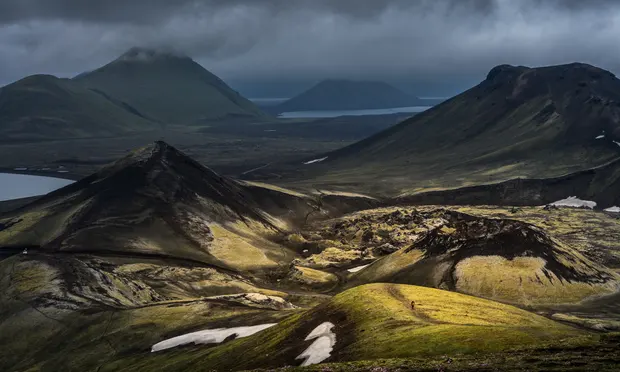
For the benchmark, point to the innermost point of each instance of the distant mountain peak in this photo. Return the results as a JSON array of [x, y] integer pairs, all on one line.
[[345, 94], [149, 80], [140, 54]]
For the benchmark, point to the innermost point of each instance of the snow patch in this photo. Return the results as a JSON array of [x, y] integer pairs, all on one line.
[[209, 336], [617, 143], [574, 202], [20, 169], [315, 161], [600, 137], [322, 347], [358, 268], [613, 210]]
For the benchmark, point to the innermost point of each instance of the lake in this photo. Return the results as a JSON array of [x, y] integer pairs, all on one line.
[[333, 114], [15, 186]]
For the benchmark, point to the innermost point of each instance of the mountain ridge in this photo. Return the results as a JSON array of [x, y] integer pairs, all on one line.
[[45, 106]]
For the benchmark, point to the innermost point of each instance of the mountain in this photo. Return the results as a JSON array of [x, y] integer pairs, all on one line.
[[170, 87], [348, 95], [155, 201], [44, 107], [519, 122]]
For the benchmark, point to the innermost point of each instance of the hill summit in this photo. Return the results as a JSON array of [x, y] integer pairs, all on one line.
[[349, 95], [170, 87]]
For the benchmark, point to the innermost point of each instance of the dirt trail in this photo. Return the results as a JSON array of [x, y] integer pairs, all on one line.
[[394, 292]]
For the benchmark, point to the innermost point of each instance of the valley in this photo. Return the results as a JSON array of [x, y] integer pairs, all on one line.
[[233, 149]]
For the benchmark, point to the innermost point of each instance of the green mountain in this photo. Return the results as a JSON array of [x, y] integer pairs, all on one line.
[[170, 87], [348, 95], [519, 122], [44, 107]]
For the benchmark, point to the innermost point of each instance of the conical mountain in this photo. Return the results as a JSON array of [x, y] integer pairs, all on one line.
[[171, 87], [349, 95], [519, 122], [44, 107], [156, 202]]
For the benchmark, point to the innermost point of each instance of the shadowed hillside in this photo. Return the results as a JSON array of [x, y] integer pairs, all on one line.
[[600, 184], [46, 107]]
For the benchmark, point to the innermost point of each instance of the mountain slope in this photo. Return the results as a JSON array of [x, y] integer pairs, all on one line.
[[348, 95], [599, 184], [526, 122], [44, 106], [170, 87]]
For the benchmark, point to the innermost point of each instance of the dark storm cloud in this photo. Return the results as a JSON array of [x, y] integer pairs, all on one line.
[[419, 41], [145, 11]]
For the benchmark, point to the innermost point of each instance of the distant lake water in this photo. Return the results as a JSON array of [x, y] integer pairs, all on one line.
[[15, 186], [333, 114]]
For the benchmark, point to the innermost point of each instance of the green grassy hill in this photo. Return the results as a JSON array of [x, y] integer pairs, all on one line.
[[376, 321], [169, 87], [46, 107]]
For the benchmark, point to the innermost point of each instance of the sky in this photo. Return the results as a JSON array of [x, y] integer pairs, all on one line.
[[274, 47]]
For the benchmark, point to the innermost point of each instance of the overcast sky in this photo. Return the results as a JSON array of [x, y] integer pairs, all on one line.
[[436, 46]]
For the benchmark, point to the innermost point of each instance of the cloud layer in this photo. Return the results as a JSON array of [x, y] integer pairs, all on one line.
[[421, 41]]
